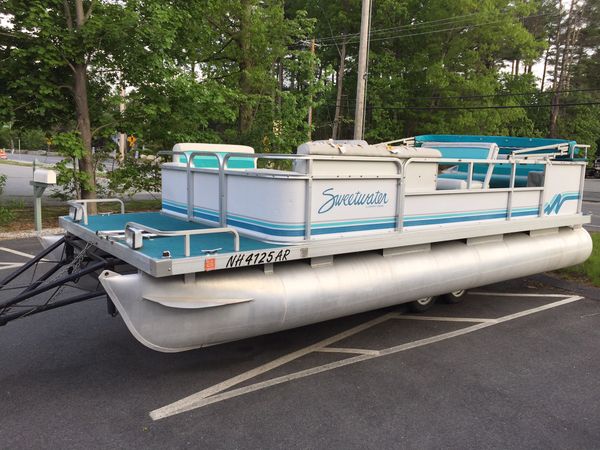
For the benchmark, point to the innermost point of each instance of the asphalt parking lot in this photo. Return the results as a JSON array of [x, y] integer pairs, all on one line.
[[514, 365]]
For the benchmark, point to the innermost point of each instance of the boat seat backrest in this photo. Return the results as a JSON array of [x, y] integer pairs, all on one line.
[[469, 150], [209, 161], [419, 177]]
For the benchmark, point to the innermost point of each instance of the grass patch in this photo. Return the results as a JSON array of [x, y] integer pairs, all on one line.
[[23, 214], [589, 270], [10, 162]]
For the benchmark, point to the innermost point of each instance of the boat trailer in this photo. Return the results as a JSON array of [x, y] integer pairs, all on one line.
[[33, 289]]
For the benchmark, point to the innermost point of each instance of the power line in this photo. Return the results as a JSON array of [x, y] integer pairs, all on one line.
[[400, 27], [501, 94], [398, 36], [446, 21], [422, 33], [434, 108]]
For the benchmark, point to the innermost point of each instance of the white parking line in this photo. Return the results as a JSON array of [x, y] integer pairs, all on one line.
[[19, 253], [357, 351], [16, 252], [215, 393], [513, 294], [195, 398], [443, 319], [5, 266]]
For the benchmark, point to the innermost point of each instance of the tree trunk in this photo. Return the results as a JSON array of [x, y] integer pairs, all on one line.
[[246, 64], [80, 92], [544, 71], [553, 132], [338, 100], [557, 46], [560, 76], [280, 82], [86, 164], [310, 99]]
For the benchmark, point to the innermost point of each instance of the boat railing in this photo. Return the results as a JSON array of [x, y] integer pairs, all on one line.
[[513, 161], [471, 165], [308, 176], [80, 207], [186, 234]]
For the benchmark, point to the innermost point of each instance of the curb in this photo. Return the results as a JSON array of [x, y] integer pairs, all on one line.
[[29, 234]]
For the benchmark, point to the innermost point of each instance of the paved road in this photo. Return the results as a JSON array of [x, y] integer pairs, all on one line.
[[591, 202], [30, 158], [17, 182], [513, 366], [18, 187]]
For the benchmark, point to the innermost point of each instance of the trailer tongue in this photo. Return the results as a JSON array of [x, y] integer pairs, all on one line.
[[32, 295], [239, 251]]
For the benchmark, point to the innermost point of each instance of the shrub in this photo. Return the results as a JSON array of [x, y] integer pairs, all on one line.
[[6, 214]]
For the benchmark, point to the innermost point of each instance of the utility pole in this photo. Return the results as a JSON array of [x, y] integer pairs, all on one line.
[[363, 60], [312, 51], [338, 100]]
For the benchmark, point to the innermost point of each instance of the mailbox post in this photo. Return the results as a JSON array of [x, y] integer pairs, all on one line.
[[42, 178]]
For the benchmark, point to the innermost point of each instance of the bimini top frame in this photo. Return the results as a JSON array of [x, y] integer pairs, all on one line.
[[514, 146]]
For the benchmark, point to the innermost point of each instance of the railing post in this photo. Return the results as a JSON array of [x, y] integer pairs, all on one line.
[[542, 192], [190, 187], [222, 191], [308, 200], [400, 197], [513, 174], [470, 176]]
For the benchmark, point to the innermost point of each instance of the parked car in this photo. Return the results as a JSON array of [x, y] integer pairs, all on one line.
[[594, 171]]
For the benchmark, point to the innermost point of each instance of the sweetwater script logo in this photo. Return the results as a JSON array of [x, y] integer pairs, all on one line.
[[333, 200]]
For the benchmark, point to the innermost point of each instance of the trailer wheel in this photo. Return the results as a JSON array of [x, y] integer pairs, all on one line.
[[454, 297], [421, 305]]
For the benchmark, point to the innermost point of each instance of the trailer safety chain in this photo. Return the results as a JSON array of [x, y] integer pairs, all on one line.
[[70, 268]]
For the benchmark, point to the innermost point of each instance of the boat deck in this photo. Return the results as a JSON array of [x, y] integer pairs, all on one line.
[[154, 247], [254, 252]]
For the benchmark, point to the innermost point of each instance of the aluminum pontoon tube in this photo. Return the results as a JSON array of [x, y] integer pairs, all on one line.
[[297, 294]]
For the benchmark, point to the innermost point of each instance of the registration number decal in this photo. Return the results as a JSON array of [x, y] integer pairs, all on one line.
[[252, 258]]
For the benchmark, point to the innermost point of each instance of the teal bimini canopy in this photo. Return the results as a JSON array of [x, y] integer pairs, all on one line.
[[506, 144]]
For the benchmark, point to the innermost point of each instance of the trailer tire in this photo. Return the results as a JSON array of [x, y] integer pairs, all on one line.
[[454, 296], [421, 305]]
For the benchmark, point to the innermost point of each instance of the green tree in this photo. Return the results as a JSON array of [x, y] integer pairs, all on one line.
[[62, 59]]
